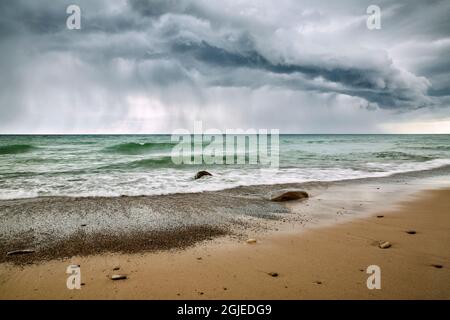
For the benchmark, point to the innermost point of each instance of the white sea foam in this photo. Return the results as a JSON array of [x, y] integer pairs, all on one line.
[[169, 180]]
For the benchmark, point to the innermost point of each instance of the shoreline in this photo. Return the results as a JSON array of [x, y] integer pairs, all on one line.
[[61, 227], [443, 170], [325, 263]]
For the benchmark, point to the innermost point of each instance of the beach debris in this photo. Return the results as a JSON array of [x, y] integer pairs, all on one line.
[[202, 174], [251, 241], [199, 258], [437, 266], [380, 216], [84, 225], [116, 268], [18, 252], [273, 274], [118, 277], [384, 244], [411, 232], [318, 282], [289, 195]]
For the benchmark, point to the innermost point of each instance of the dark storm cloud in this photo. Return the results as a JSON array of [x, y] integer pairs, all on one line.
[[177, 55], [356, 81]]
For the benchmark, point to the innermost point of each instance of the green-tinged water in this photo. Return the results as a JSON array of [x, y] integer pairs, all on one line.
[[99, 165]]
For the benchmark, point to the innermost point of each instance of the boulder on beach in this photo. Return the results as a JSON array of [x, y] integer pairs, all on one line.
[[289, 195], [202, 174]]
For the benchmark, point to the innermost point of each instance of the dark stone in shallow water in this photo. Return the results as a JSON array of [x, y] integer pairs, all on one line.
[[202, 174]]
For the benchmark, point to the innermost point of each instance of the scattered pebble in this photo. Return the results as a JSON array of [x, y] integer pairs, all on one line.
[[437, 266], [384, 245], [380, 216], [17, 252], [118, 277], [251, 241], [273, 274], [411, 232], [199, 258], [116, 268], [318, 282]]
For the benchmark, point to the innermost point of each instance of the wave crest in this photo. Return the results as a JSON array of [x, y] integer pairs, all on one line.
[[163, 162], [132, 148], [16, 148], [396, 155]]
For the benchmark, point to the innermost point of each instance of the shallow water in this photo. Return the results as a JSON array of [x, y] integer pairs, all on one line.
[[99, 165]]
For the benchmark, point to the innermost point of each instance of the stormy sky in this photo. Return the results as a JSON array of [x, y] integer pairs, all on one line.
[[152, 66]]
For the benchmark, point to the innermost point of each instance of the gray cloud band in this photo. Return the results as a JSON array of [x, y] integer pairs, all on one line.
[[164, 48]]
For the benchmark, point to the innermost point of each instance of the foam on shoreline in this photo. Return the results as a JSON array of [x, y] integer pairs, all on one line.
[[46, 223]]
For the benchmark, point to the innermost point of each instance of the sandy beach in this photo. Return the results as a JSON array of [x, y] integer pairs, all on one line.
[[224, 150], [292, 261]]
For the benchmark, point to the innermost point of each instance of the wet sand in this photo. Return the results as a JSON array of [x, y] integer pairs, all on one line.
[[63, 227], [325, 263]]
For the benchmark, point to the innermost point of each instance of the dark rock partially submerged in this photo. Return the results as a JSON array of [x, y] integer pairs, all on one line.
[[202, 174], [289, 195]]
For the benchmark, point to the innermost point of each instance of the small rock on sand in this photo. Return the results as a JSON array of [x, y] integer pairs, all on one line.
[[411, 232], [251, 241], [116, 268], [202, 174], [118, 277], [289, 195], [17, 252], [384, 244], [273, 274]]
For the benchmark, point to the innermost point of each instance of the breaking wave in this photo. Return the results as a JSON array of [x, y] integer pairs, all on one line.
[[16, 148], [133, 148]]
